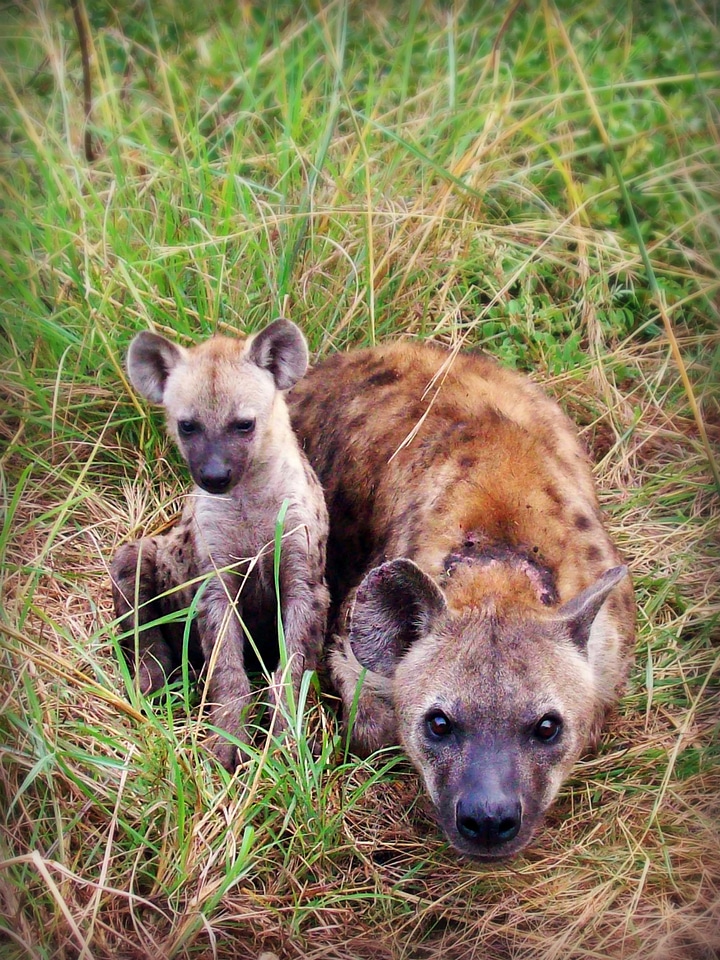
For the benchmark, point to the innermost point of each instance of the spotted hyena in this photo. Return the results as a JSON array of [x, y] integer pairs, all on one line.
[[225, 407], [473, 580]]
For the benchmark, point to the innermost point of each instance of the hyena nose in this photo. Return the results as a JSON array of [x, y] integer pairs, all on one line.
[[488, 824], [215, 479]]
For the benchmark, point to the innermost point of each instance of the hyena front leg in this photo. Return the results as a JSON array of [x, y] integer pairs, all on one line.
[[135, 589], [305, 606], [228, 685], [367, 705]]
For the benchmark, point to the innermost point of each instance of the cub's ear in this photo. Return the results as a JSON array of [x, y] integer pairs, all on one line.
[[395, 605], [281, 349], [149, 362], [579, 613]]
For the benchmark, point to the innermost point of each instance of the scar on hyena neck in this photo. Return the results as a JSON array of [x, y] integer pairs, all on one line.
[[478, 550]]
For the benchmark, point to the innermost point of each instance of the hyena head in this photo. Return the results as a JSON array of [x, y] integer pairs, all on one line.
[[220, 397], [493, 710]]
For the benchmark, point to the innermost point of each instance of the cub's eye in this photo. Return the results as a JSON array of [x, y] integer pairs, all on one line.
[[188, 427], [243, 426], [548, 728], [438, 725]]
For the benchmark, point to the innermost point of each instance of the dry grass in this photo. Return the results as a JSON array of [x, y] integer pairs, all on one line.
[[466, 200]]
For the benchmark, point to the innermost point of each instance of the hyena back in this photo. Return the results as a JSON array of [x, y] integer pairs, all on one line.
[[225, 408], [472, 576]]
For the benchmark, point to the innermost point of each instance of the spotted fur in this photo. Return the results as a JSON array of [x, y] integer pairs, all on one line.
[[474, 584], [225, 407]]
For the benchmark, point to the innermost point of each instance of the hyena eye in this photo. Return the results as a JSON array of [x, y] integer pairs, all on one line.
[[438, 724], [187, 427], [548, 728], [243, 426]]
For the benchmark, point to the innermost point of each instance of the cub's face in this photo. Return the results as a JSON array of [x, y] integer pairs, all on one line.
[[221, 398], [219, 406]]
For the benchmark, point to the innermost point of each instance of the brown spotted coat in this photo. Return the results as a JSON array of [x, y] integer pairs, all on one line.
[[515, 608], [226, 409]]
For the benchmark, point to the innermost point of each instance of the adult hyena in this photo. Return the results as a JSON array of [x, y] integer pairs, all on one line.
[[226, 410], [474, 580]]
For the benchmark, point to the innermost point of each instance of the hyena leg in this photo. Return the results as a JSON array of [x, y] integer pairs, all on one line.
[[304, 623], [135, 589], [366, 701], [228, 685]]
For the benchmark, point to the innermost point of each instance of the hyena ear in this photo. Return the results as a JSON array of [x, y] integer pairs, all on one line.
[[281, 349], [149, 362], [395, 605], [579, 613]]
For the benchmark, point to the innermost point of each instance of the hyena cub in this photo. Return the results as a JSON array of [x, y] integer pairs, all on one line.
[[475, 582], [225, 409]]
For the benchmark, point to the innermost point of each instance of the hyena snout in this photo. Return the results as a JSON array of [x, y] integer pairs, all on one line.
[[488, 821], [216, 467], [214, 474], [483, 813]]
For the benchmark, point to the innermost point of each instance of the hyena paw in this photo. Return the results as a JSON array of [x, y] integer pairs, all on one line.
[[284, 689], [368, 711], [225, 752], [226, 721], [279, 722], [373, 727], [150, 676]]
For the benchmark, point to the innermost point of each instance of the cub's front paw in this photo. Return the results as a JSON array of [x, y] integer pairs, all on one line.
[[151, 676], [223, 751]]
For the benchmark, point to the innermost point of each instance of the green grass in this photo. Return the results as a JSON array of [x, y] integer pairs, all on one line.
[[540, 181]]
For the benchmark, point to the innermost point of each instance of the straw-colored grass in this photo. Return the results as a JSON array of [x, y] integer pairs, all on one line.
[[431, 170]]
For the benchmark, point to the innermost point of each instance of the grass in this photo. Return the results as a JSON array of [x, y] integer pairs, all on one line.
[[539, 180]]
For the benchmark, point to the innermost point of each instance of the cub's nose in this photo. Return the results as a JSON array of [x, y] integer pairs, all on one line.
[[487, 823], [215, 480]]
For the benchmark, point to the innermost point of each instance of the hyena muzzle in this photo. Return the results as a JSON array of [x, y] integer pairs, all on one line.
[[477, 595], [225, 407]]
